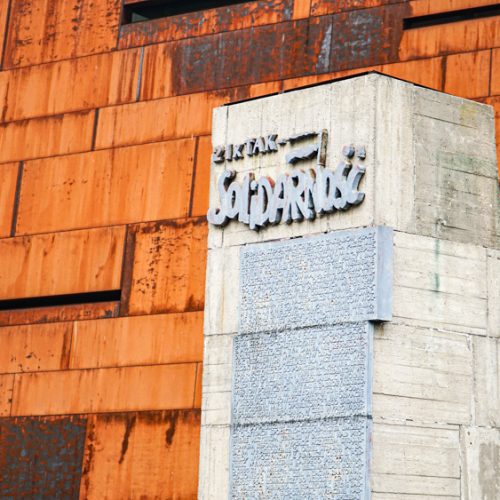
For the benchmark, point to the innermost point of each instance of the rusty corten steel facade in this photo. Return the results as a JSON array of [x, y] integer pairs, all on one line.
[[104, 170]]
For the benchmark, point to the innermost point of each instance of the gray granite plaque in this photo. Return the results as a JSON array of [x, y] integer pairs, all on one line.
[[320, 459], [336, 277], [301, 409], [310, 373]]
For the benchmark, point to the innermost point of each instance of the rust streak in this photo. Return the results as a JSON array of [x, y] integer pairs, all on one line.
[[129, 425]]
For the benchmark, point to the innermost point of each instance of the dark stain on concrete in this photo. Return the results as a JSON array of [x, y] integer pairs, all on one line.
[[489, 471]]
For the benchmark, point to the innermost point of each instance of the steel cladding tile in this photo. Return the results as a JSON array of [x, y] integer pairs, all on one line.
[[41, 457]]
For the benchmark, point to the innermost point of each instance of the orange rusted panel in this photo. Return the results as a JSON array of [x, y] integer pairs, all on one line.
[[109, 187], [301, 8], [8, 183], [104, 390], [168, 272], [199, 206], [495, 72], [72, 85], [426, 72], [322, 7], [6, 389], [59, 313], [4, 88], [206, 22], [463, 36], [261, 89], [35, 347], [51, 30], [156, 79], [468, 75], [61, 263], [142, 455], [426, 7], [57, 135], [4, 10], [157, 120], [418, 7], [138, 340], [302, 81]]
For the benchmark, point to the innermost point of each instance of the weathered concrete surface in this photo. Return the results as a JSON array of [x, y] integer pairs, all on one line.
[[480, 447]]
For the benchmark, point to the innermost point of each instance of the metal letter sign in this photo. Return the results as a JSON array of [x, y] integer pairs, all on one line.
[[293, 196]]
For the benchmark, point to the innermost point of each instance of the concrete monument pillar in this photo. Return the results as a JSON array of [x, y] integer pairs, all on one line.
[[352, 317]]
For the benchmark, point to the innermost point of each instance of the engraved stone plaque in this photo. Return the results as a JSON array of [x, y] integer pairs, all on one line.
[[319, 459], [336, 277], [301, 407], [307, 373]]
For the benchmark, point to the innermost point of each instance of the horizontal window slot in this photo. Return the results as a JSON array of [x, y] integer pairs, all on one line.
[[60, 300], [451, 17], [155, 9]]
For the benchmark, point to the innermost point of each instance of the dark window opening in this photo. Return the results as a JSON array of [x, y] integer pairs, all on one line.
[[60, 300], [451, 17], [155, 9]]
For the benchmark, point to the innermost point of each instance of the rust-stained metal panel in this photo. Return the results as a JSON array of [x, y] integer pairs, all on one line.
[[158, 120], [137, 340], [495, 74], [318, 45], [426, 72], [56, 88], [322, 7], [477, 67], [54, 314], [237, 58], [426, 7], [9, 173], [110, 187], [35, 347], [168, 273], [451, 38], [41, 457], [301, 9], [136, 388], [61, 263], [51, 30], [206, 22], [6, 388], [142, 455], [367, 37], [52, 136], [4, 18], [201, 186]]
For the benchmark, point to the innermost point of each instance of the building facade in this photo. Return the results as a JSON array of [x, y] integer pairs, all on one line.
[[104, 189]]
